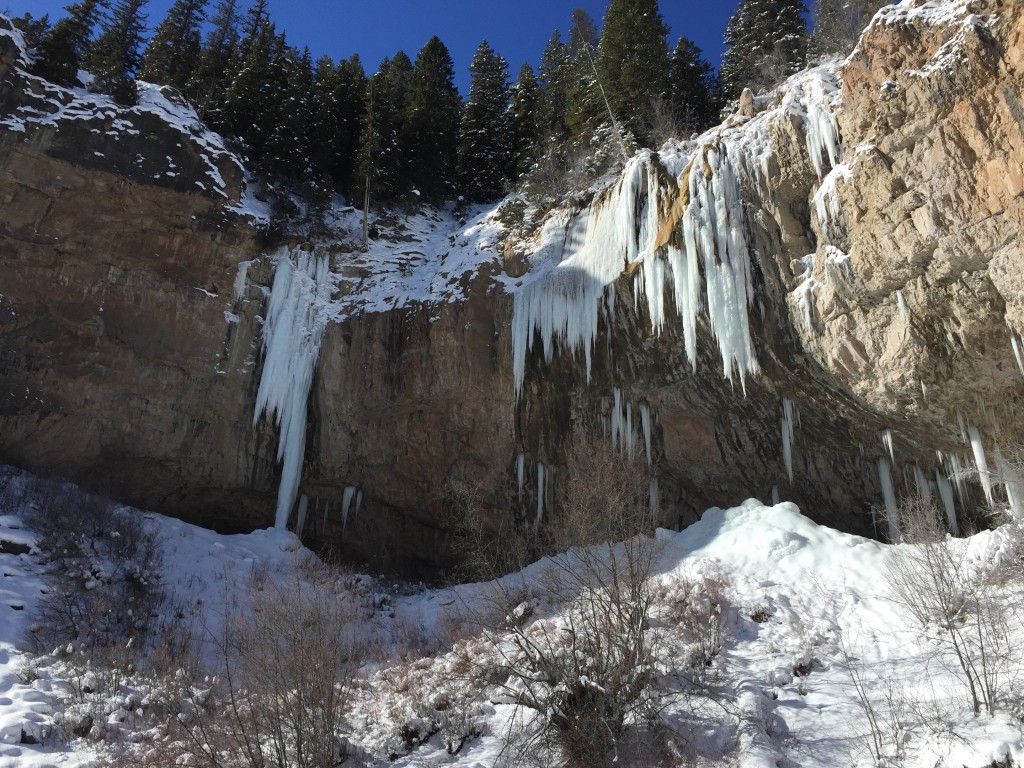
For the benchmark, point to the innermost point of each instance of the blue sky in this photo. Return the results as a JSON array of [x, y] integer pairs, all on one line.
[[518, 29]]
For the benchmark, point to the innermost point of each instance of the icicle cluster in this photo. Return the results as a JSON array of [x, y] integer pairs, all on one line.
[[621, 427], [583, 253], [292, 334], [587, 251], [714, 230], [892, 517], [822, 129]]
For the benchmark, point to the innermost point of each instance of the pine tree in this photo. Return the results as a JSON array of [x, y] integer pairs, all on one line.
[[553, 91], [430, 122], [173, 51], [691, 87], [350, 88], [632, 60], [291, 96], [209, 82], [115, 56], [485, 134], [838, 24], [523, 112], [63, 48], [32, 30], [585, 108], [380, 161], [766, 41], [250, 108]]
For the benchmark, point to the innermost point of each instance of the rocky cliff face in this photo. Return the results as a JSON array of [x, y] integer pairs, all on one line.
[[809, 301]]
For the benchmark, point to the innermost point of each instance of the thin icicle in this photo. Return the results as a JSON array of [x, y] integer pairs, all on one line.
[[946, 495], [901, 306], [788, 417], [645, 426], [978, 447], [292, 334], [924, 488], [520, 471], [346, 504], [540, 497], [887, 442], [300, 521], [1009, 474], [327, 508], [892, 517]]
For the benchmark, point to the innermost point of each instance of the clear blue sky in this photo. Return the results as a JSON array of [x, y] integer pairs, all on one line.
[[517, 29]]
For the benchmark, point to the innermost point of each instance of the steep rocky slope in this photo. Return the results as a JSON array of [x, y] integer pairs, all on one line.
[[807, 301]]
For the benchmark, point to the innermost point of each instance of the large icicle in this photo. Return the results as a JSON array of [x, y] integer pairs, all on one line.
[[946, 494], [292, 334], [822, 129], [714, 230], [978, 447], [892, 517], [583, 253]]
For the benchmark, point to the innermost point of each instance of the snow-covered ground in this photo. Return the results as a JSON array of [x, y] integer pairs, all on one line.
[[793, 619]]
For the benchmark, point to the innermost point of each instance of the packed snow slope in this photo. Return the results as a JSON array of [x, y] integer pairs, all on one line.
[[817, 301], [776, 641]]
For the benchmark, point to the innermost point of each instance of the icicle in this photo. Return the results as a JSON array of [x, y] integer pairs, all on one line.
[[979, 461], [617, 418], [946, 495], [1010, 476], [540, 497], [300, 521], [241, 285], [887, 442], [645, 426], [630, 437], [889, 495], [788, 412], [520, 470], [901, 305], [958, 477], [346, 503], [654, 500], [924, 489], [713, 229], [588, 251], [292, 334], [359, 501], [327, 508], [686, 294], [1016, 346], [962, 426], [775, 496], [822, 129]]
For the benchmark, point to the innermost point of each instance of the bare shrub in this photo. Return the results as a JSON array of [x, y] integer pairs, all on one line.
[[287, 666], [103, 565], [954, 602], [583, 679]]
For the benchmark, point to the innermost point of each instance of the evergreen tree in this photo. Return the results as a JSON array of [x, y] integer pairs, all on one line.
[[766, 41], [632, 60], [115, 56], [32, 30], [173, 51], [291, 95], [350, 86], [484, 135], [250, 107], [431, 118], [692, 87], [380, 161], [553, 90], [585, 108], [209, 82], [523, 112], [837, 24], [63, 48]]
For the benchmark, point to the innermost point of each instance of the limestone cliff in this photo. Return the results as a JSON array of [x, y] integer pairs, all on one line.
[[808, 301]]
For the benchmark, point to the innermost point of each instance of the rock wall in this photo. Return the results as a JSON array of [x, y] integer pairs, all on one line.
[[886, 297]]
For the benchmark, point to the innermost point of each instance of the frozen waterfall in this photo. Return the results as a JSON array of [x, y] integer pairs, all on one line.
[[292, 334]]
